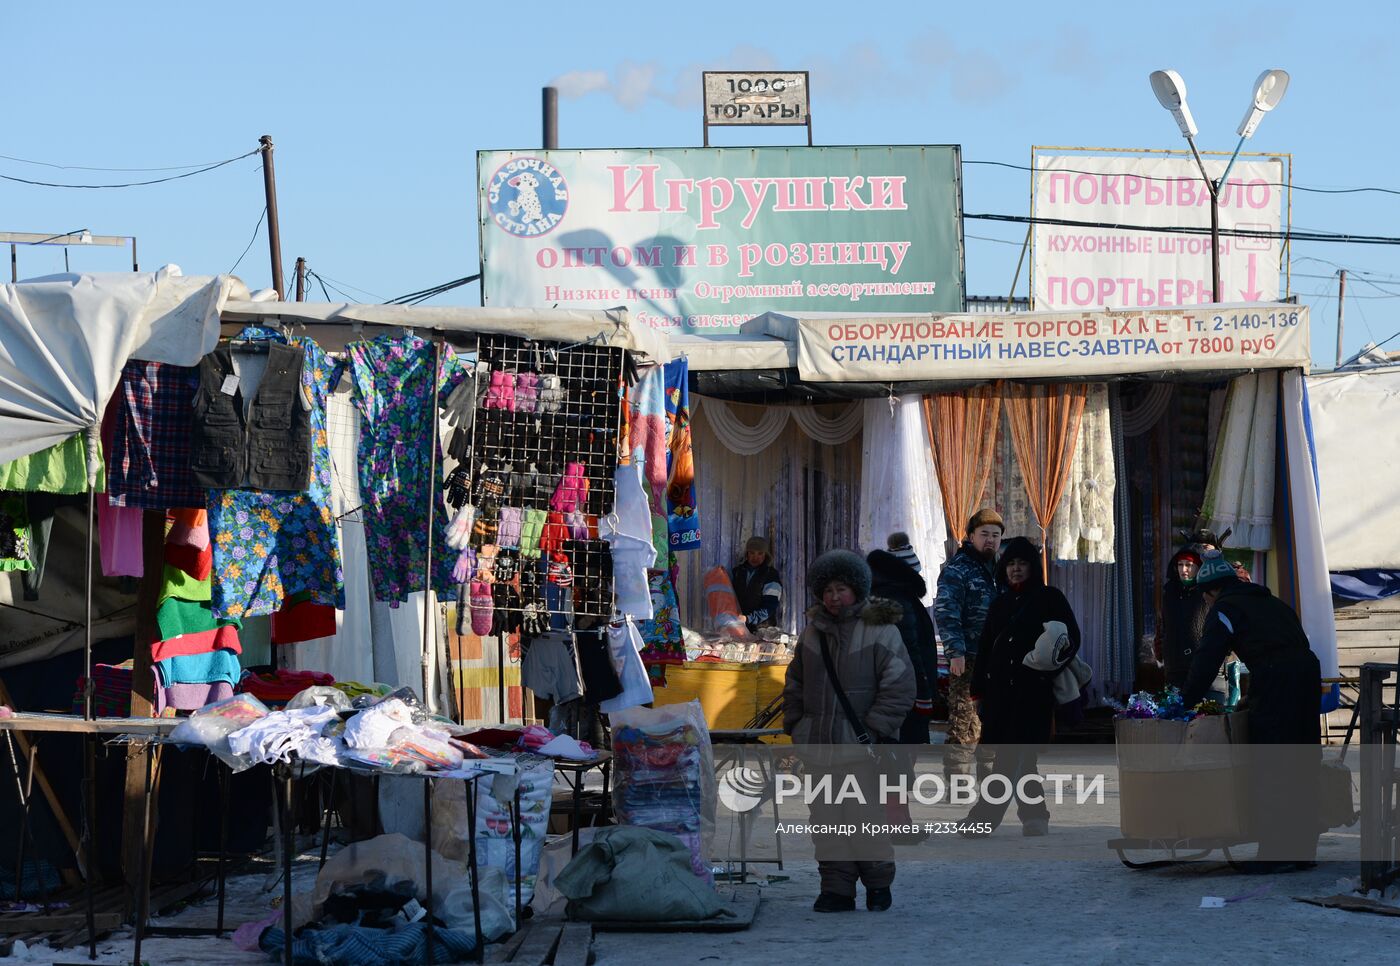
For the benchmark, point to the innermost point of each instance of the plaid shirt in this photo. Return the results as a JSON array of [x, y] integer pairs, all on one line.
[[148, 465]]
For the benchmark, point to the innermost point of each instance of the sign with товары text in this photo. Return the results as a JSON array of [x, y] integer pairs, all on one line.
[[743, 97], [1080, 267], [1040, 345], [703, 239]]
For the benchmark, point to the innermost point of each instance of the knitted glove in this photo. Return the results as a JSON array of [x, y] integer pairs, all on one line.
[[527, 392], [531, 529], [505, 567], [551, 398], [577, 524], [572, 489], [483, 607], [465, 567], [460, 529], [485, 529], [509, 535], [496, 393], [535, 619], [486, 563], [490, 486], [459, 486], [554, 534]]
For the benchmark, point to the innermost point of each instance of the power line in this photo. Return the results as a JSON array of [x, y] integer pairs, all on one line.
[[353, 288], [412, 298], [130, 184], [83, 167], [250, 241], [1296, 236], [1148, 177]]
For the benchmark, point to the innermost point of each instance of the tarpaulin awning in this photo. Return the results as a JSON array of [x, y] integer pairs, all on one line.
[[65, 338], [615, 326], [1354, 419]]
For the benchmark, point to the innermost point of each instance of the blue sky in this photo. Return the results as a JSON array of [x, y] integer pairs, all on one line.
[[377, 116]]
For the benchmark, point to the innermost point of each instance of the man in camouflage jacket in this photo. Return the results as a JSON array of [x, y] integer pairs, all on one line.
[[966, 588]]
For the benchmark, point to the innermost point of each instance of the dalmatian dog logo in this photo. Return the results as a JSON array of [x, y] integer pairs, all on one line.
[[527, 197]]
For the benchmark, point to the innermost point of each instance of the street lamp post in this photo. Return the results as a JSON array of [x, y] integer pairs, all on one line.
[[1170, 89]]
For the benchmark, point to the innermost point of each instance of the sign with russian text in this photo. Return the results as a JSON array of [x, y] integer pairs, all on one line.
[[740, 97], [1064, 345], [1079, 267], [704, 239]]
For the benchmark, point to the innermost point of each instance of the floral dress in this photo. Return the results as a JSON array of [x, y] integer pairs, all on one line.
[[394, 393], [272, 545]]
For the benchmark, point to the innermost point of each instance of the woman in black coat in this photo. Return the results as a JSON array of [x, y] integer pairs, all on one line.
[[1016, 702], [893, 579]]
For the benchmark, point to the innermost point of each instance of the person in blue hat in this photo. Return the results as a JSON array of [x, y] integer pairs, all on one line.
[[1283, 702]]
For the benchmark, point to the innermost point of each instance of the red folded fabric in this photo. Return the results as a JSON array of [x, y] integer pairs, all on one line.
[[305, 621], [197, 563], [200, 642], [281, 686]]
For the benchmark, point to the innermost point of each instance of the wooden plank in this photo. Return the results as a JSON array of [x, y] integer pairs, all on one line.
[[37, 922], [539, 945], [575, 945], [505, 952]]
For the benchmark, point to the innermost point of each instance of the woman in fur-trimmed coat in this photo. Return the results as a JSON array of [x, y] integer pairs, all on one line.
[[861, 635]]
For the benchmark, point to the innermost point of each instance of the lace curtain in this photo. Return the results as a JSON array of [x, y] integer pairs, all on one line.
[[1240, 492], [899, 487]]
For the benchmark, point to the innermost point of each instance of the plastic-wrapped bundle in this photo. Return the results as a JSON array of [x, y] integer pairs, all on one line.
[[663, 775]]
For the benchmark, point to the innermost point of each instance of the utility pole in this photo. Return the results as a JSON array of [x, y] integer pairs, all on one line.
[[1341, 301], [274, 233], [301, 279], [549, 103]]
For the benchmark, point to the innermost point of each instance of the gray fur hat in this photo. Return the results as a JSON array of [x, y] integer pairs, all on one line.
[[843, 565]]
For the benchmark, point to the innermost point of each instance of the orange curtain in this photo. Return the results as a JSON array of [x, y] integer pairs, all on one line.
[[1044, 422], [962, 432]]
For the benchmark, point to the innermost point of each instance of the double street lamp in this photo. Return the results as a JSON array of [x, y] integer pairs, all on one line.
[[1170, 89]]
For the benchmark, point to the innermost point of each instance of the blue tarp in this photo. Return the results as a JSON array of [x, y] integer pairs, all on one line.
[[1366, 584]]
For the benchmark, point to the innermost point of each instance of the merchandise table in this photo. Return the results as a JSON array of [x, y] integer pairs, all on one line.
[[740, 739]]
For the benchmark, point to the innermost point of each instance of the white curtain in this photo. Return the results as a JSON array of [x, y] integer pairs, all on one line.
[[761, 427], [1314, 586], [1083, 524], [1240, 492], [898, 483], [802, 495]]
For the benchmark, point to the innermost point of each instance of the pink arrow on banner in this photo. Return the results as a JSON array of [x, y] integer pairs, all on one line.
[[1250, 293]]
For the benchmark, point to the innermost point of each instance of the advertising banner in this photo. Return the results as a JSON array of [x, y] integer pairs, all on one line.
[[704, 239], [1067, 345], [1081, 267]]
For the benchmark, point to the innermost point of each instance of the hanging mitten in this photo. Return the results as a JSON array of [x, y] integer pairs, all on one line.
[[531, 529], [483, 608], [551, 398], [465, 567], [496, 393], [527, 392], [554, 534], [510, 523], [459, 531]]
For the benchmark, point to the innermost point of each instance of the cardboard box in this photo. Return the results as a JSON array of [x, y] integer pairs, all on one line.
[[1183, 780]]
